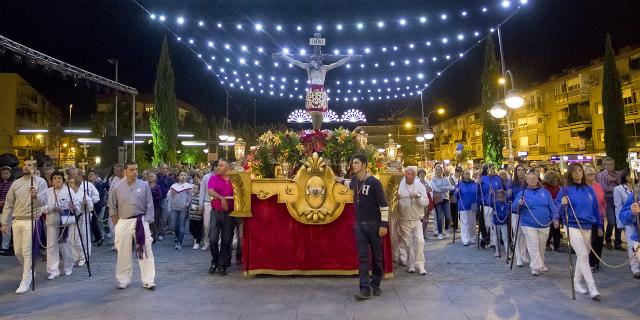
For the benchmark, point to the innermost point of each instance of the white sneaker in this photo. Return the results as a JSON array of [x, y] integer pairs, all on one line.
[[497, 254], [402, 262], [178, 246], [411, 270], [535, 272], [440, 236], [196, 246], [579, 288], [593, 291], [160, 237], [81, 262], [68, 273], [544, 269], [122, 285], [446, 234], [52, 276], [23, 288], [422, 272], [205, 247]]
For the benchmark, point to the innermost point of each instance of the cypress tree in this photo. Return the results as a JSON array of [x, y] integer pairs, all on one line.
[[615, 142], [164, 119], [492, 142]]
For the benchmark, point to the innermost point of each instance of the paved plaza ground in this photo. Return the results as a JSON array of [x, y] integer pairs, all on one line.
[[463, 284]]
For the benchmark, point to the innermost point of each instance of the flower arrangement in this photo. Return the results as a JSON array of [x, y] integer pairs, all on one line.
[[341, 145], [315, 141], [375, 159], [273, 148], [288, 148]]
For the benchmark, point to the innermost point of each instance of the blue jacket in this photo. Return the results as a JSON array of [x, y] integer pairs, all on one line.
[[541, 208], [501, 213], [585, 204], [515, 189], [488, 183], [628, 219], [466, 194]]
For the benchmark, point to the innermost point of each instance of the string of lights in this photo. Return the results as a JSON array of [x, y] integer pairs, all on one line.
[[402, 23], [385, 71]]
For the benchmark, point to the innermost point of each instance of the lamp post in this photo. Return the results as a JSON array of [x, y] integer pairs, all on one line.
[[427, 132], [512, 100], [115, 62]]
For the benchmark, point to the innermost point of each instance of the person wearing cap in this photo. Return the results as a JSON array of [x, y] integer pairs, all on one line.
[[5, 184]]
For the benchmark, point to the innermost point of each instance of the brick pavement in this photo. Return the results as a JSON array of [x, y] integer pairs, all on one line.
[[463, 284]]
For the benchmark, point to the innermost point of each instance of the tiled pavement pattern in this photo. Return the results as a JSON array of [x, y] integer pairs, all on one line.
[[463, 284]]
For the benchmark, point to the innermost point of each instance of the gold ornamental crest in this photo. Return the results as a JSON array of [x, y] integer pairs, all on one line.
[[312, 197], [321, 199]]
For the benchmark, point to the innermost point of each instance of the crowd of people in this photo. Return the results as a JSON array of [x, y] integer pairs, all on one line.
[[74, 209], [518, 214]]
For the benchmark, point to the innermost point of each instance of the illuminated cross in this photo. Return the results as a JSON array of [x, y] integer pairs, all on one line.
[[85, 152]]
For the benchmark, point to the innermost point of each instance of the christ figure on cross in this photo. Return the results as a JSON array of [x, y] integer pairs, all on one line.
[[316, 102]]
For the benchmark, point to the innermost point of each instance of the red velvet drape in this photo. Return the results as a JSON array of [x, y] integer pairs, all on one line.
[[275, 243]]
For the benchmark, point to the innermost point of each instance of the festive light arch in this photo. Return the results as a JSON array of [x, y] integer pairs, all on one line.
[[238, 52], [353, 115], [299, 116]]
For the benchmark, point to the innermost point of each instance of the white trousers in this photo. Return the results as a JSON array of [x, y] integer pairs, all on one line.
[[6, 237], [488, 223], [580, 241], [536, 239], [207, 218], [411, 240], [55, 249], [467, 226], [22, 233], [634, 262], [500, 232], [125, 231], [521, 244], [85, 232], [394, 231]]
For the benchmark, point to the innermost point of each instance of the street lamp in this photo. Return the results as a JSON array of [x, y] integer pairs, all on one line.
[[511, 99]]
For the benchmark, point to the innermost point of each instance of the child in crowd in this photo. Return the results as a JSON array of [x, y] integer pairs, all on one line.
[[195, 218], [500, 221]]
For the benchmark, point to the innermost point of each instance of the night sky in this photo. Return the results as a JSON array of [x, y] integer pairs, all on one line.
[[542, 39]]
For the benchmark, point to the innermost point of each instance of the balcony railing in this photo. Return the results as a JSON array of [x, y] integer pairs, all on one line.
[[575, 119]]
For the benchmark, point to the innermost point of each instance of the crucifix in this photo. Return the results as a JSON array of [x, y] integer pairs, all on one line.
[[85, 152], [316, 101]]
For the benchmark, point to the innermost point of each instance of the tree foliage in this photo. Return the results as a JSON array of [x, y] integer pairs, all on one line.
[[164, 119], [615, 142], [492, 142]]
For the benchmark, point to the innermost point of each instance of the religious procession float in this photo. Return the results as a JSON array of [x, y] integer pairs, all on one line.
[[299, 220]]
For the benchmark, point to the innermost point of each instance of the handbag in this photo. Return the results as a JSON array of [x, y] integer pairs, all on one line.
[[66, 216], [437, 197]]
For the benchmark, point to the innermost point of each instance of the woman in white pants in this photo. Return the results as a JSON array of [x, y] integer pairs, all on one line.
[[620, 195], [517, 185], [467, 194], [60, 200], [537, 212], [579, 204], [489, 183]]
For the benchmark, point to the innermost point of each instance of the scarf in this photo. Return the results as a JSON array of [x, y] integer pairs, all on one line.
[[139, 236]]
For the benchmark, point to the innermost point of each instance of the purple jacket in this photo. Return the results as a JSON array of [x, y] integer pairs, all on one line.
[[156, 193]]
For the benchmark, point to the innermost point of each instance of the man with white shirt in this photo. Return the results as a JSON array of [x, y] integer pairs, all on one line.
[[131, 210], [412, 199], [24, 200]]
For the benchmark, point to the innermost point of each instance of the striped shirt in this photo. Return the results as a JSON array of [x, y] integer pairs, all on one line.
[[608, 180]]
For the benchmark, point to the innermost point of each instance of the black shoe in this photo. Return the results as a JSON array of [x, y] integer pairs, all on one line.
[[620, 248], [6, 252], [609, 246], [223, 271], [482, 244], [364, 294], [213, 268], [377, 291]]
